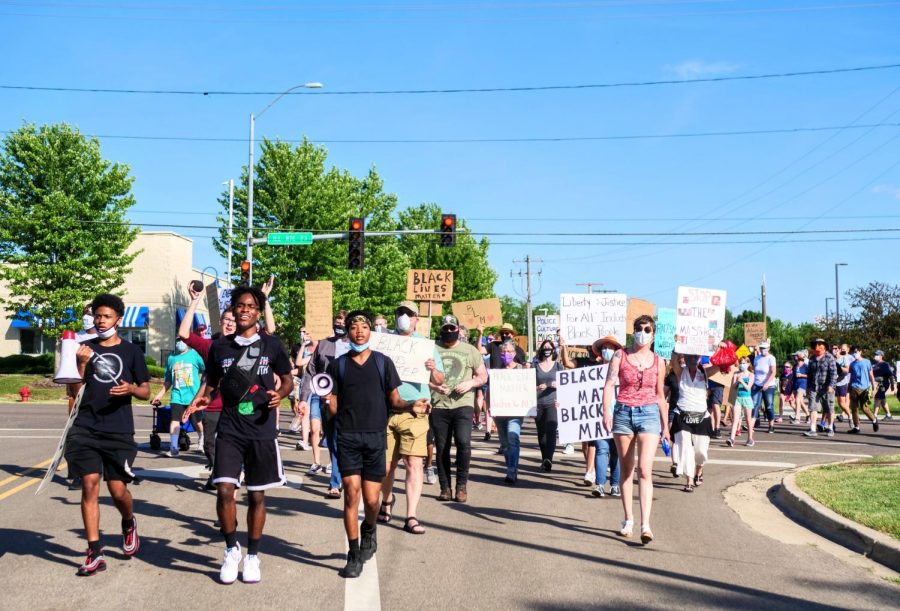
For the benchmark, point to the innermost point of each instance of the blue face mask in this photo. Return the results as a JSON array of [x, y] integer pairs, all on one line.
[[359, 347]]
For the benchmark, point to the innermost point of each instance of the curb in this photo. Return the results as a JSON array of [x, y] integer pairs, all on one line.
[[810, 513]]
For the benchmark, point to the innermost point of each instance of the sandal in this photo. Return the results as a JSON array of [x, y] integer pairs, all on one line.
[[698, 479], [333, 493], [674, 470], [688, 488], [415, 528], [385, 514], [646, 534], [627, 528]]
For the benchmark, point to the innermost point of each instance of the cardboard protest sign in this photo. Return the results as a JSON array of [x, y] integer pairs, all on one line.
[[578, 352], [580, 396], [319, 317], [585, 317], [423, 327], [429, 285], [483, 312], [522, 342], [664, 342], [545, 327], [638, 307], [513, 392], [742, 351], [754, 333], [699, 320], [714, 374], [212, 301], [430, 308], [408, 353]]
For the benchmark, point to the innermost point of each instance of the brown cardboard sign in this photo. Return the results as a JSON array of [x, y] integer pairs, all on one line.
[[481, 313], [638, 307], [754, 333], [429, 285], [319, 308]]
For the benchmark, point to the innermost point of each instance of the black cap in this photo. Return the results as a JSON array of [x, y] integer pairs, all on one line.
[[356, 315]]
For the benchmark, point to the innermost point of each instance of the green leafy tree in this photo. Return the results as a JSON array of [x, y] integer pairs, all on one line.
[[872, 322], [785, 338], [62, 238]]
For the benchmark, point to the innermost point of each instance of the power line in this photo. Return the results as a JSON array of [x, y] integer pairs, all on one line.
[[518, 89], [789, 130]]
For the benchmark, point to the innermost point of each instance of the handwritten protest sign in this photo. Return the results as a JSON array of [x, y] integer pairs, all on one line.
[[699, 320], [585, 317], [580, 396], [319, 308], [429, 285], [513, 392], [664, 342], [754, 333], [423, 327], [212, 300], [638, 307], [430, 308], [545, 327], [408, 353], [483, 312]]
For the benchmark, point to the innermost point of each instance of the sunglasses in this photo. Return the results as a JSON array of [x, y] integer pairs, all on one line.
[[646, 329]]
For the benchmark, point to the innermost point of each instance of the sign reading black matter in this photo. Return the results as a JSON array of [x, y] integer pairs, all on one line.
[[580, 395]]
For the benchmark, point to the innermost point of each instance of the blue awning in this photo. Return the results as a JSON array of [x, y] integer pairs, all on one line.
[[199, 318], [24, 320], [136, 317]]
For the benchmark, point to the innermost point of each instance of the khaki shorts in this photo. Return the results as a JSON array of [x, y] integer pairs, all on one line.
[[407, 436]]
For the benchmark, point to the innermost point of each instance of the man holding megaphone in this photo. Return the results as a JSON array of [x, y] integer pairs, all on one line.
[[101, 440]]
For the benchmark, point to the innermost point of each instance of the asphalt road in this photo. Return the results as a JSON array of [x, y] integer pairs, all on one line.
[[544, 544]]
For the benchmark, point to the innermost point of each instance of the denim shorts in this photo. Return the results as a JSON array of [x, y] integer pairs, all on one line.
[[633, 420], [315, 407]]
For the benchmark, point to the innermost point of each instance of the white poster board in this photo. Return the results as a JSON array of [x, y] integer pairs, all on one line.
[[580, 395], [699, 320], [513, 392], [586, 317], [408, 353], [545, 327]]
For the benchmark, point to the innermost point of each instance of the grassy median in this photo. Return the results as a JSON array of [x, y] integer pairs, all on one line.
[[866, 491]]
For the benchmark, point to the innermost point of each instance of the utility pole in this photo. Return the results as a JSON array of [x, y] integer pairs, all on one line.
[[837, 297], [230, 184], [765, 320], [529, 315], [590, 285]]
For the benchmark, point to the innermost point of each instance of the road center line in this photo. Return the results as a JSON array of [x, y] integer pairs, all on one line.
[[26, 472]]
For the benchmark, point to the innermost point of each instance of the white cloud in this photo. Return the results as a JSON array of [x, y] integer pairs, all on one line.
[[891, 190], [696, 69]]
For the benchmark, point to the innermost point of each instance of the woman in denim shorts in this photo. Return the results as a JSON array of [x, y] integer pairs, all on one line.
[[641, 416]]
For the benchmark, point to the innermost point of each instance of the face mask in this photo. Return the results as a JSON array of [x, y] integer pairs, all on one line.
[[744, 366], [107, 334], [404, 323], [507, 357], [379, 328], [843, 352], [642, 338], [449, 336], [87, 322], [878, 358], [546, 353], [359, 347], [339, 330], [607, 354], [763, 351], [180, 347], [820, 350], [788, 370]]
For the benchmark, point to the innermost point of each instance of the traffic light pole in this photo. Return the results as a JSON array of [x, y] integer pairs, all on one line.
[[346, 235]]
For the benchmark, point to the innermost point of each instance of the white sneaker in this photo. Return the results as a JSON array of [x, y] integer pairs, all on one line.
[[296, 423], [251, 569], [200, 443], [430, 476], [328, 469], [302, 445], [570, 449], [314, 469], [229, 571], [172, 453], [589, 478]]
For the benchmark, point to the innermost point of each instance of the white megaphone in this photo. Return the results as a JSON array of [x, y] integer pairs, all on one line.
[[322, 384], [67, 373]]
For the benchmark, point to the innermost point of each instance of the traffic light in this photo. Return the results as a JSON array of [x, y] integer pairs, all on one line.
[[448, 230], [356, 244], [245, 273]]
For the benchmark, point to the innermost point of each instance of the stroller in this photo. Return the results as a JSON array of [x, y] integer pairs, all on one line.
[[162, 417]]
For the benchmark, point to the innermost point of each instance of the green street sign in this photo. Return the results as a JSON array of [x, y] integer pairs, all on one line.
[[293, 238]]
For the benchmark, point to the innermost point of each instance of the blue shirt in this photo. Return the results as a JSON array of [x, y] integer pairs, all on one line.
[[859, 373]]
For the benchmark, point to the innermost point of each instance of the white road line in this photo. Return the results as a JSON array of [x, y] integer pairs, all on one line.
[[30, 436], [741, 463], [790, 452], [195, 472]]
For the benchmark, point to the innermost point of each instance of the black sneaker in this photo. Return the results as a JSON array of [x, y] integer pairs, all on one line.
[[716, 434], [368, 545], [875, 426], [354, 565], [75, 484], [93, 563], [130, 540], [209, 485], [547, 465]]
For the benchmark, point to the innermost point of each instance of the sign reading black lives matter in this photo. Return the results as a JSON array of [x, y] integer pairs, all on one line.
[[580, 396]]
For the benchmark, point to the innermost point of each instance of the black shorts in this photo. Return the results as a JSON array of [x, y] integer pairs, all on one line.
[[178, 414], [259, 458], [842, 391], [110, 454], [429, 438], [362, 454], [716, 394]]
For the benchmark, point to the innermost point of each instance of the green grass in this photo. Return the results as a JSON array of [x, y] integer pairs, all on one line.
[[865, 491], [42, 388]]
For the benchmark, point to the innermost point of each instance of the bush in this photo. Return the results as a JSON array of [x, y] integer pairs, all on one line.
[[23, 363], [156, 372], [151, 362]]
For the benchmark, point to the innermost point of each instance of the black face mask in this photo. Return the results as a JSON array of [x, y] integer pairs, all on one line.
[[340, 331], [449, 336], [546, 353]]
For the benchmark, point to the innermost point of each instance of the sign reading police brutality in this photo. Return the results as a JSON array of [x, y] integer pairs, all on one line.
[[429, 285], [546, 327], [513, 392], [664, 341], [318, 308], [699, 320], [480, 313], [580, 396], [408, 353], [586, 317]]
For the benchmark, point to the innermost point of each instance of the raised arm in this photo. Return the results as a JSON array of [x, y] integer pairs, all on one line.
[[184, 329]]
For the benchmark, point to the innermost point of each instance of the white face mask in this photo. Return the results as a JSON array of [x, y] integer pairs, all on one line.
[[642, 338], [607, 354], [404, 323], [87, 321], [107, 334]]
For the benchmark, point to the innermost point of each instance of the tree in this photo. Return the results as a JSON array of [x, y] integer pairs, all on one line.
[[63, 232], [514, 312], [874, 321], [785, 338]]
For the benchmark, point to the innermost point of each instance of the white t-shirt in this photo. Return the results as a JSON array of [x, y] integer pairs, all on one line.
[[761, 367], [843, 361]]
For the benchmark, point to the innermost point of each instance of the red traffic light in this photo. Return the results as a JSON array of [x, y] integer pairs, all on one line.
[[355, 224], [245, 266], [448, 221]]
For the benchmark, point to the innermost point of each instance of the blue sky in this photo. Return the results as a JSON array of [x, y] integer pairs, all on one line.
[[812, 180]]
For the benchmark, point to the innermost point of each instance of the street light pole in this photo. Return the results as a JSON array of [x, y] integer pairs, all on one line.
[[230, 184], [837, 297], [250, 170]]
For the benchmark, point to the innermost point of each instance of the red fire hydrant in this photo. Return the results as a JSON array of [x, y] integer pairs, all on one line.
[[25, 393]]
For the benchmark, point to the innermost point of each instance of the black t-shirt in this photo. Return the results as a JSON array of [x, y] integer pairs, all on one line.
[[671, 383], [495, 349], [252, 418], [99, 411], [362, 406], [883, 373]]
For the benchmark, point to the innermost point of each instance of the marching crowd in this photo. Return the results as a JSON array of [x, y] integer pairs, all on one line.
[[351, 399]]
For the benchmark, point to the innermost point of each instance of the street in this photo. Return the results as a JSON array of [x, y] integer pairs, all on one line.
[[543, 544]]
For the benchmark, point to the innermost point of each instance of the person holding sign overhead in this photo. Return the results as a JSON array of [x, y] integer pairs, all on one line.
[[639, 419]]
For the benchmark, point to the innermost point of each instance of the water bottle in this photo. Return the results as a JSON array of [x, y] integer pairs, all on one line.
[[665, 444]]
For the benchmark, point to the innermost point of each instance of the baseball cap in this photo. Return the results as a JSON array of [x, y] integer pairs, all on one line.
[[879, 353], [763, 344], [409, 305], [449, 320], [357, 315]]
